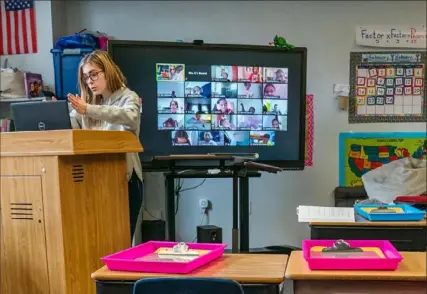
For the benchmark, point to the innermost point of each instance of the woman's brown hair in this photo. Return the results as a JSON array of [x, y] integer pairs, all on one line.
[[113, 75]]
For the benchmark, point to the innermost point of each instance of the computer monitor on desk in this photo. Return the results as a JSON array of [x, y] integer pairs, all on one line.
[[41, 116]]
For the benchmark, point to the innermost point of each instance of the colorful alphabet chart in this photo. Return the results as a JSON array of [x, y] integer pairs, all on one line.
[[387, 87]]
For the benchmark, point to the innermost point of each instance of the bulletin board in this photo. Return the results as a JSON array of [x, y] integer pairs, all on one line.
[[387, 87], [309, 130], [360, 153]]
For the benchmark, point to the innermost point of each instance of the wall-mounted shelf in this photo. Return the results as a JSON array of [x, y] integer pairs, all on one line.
[[5, 104], [11, 100]]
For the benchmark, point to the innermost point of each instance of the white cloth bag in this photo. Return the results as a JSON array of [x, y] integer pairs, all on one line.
[[403, 177], [12, 82]]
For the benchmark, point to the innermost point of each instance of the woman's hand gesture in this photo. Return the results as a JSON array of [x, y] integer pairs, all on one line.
[[77, 103]]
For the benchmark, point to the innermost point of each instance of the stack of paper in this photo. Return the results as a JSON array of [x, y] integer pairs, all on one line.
[[325, 214]]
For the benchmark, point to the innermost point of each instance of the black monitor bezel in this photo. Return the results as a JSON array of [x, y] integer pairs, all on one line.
[[299, 164]]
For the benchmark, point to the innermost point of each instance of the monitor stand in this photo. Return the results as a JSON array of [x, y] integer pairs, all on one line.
[[239, 168]]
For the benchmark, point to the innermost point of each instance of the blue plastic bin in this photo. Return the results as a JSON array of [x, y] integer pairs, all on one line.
[[409, 213], [66, 64]]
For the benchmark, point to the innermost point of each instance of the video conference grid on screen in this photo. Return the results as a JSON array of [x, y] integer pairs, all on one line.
[[222, 105]]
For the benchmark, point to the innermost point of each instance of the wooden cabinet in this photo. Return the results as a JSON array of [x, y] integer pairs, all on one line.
[[64, 205]]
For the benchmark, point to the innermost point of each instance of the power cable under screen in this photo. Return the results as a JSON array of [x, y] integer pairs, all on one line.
[[179, 183]]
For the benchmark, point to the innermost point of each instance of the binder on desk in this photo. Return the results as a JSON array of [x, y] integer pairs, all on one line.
[[308, 214]]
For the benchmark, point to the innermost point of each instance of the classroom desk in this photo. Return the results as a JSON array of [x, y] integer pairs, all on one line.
[[257, 273], [409, 278], [405, 236]]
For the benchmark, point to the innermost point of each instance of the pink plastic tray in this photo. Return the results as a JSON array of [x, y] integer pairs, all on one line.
[[390, 262], [126, 260]]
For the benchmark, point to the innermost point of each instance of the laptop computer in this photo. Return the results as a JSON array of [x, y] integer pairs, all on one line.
[[41, 116]]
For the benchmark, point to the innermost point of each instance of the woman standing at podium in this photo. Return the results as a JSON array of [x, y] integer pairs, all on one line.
[[107, 104]]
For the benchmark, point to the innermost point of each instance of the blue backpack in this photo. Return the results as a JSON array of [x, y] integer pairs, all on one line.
[[78, 40]]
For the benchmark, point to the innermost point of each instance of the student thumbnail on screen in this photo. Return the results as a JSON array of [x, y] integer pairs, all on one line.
[[170, 89], [275, 107], [170, 105], [250, 106], [249, 90], [184, 138], [252, 74], [211, 138], [198, 121], [236, 138], [249, 122], [274, 122], [224, 106], [275, 91], [198, 73], [262, 138], [276, 75], [198, 89], [224, 122], [170, 72], [198, 105], [224, 90], [170, 121], [224, 73]]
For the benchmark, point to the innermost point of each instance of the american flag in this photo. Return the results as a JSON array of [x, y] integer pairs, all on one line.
[[18, 27]]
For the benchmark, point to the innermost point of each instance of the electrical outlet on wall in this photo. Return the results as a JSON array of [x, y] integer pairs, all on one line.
[[204, 203]]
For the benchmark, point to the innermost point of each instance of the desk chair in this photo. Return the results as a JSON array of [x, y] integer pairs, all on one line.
[[186, 286]]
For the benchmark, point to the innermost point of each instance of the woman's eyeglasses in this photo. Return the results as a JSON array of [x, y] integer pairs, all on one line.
[[93, 75]]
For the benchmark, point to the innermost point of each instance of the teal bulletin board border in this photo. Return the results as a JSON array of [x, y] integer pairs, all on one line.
[[367, 135]]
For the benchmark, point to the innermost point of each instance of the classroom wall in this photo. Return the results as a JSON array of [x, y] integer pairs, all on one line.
[[59, 19], [326, 28], [40, 62]]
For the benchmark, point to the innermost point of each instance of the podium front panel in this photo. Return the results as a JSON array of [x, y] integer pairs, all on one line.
[[78, 211], [22, 218]]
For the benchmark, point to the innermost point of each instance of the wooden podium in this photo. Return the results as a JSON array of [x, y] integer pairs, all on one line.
[[64, 205]]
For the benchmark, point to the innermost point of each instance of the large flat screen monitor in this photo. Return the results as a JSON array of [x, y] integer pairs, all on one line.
[[211, 98]]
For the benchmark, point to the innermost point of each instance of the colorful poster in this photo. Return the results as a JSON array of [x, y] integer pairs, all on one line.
[[362, 152], [309, 130], [387, 87], [391, 36]]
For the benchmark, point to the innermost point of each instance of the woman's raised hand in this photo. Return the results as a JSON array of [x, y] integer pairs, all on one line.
[[77, 103]]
